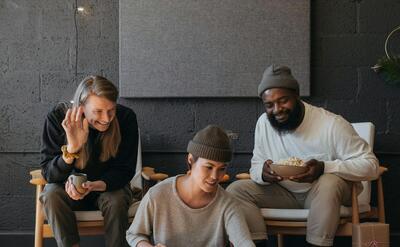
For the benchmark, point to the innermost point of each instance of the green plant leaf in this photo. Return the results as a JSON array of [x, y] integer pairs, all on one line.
[[390, 69]]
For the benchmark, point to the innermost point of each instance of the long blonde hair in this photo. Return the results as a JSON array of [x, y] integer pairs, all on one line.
[[111, 138]]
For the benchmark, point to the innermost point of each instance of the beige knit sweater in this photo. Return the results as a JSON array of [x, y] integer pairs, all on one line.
[[165, 218]]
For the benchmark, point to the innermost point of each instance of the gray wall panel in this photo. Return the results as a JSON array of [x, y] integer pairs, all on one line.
[[192, 48]]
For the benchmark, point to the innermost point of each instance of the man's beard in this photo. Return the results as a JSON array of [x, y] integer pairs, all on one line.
[[295, 117]]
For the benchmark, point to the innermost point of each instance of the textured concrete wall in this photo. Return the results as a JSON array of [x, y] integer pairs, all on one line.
[[45, 49], [43, 55]]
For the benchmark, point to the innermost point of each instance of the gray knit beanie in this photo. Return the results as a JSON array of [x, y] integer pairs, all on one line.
[[276, 76], [211, 143]]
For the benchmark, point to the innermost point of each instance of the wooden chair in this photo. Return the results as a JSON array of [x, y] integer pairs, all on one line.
[[91, 222], [282, 222]]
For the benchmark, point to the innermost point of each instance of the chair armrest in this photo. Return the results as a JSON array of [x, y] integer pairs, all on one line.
[[225, 178], [37, 178], [149, 174], [150, 178], [382, 170], [244, 175], [381, 203], [381, 206], [355, 215]]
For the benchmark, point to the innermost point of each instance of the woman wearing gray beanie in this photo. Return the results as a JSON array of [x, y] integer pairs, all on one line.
[[193, 209]]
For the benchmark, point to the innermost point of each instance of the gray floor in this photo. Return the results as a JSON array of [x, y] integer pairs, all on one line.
[[28, 241]]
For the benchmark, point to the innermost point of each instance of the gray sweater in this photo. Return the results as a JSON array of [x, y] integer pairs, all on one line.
[[164, 217]]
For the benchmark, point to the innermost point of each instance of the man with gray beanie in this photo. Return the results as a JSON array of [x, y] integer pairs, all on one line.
[[327, 144], [192, 209]]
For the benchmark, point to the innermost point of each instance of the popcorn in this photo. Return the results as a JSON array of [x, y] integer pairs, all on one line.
[[292, 161]]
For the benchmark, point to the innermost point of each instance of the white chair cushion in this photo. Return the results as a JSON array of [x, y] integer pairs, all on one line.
[[302, 214], [96, 215]]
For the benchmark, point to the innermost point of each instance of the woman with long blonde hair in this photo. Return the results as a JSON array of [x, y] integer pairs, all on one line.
[[97, 137]]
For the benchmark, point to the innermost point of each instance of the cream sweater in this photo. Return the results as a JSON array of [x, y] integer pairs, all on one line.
[[164, 217], [323, 136]]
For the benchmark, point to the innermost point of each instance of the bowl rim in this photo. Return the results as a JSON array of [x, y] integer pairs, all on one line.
[[274, 164], [303, 169]]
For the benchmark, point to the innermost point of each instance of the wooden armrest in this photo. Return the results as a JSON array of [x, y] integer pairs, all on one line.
[[244, 175], [381, 203], [382, 170], [37, 178], [225, 178], [158, 176], [149, 174], [354, 205], [381, 207]]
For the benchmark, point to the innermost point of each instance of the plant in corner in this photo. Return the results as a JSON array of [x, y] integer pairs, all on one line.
[[389, 66]]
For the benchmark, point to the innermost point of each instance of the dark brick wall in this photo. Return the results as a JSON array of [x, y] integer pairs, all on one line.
[[44, 54]]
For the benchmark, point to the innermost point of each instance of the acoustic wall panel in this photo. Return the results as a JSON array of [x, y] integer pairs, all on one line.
[[210, 48]]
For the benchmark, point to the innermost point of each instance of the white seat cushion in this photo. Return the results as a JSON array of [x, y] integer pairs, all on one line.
[[135, 183], [302, 214], [96, 215]]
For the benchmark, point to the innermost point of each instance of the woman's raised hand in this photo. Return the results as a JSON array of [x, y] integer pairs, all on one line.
[[76, 128]]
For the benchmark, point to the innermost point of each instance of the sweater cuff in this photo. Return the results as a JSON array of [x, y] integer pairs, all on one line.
[[63, 165], [256, 174], [137, 240], [107, 182], [261, 181], [331, 167]]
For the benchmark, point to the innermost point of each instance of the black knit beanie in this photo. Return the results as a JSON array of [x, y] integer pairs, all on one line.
[[211, 143], [276, 76]]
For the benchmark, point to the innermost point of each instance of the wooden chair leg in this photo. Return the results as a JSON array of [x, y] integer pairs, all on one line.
[[354, 205], [39, 219], [280, 239], [381, 204]]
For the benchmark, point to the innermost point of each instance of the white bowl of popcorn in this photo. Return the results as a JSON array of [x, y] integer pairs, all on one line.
[[289, 167]]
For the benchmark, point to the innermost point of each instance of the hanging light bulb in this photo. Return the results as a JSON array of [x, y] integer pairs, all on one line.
[[81, 9]]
